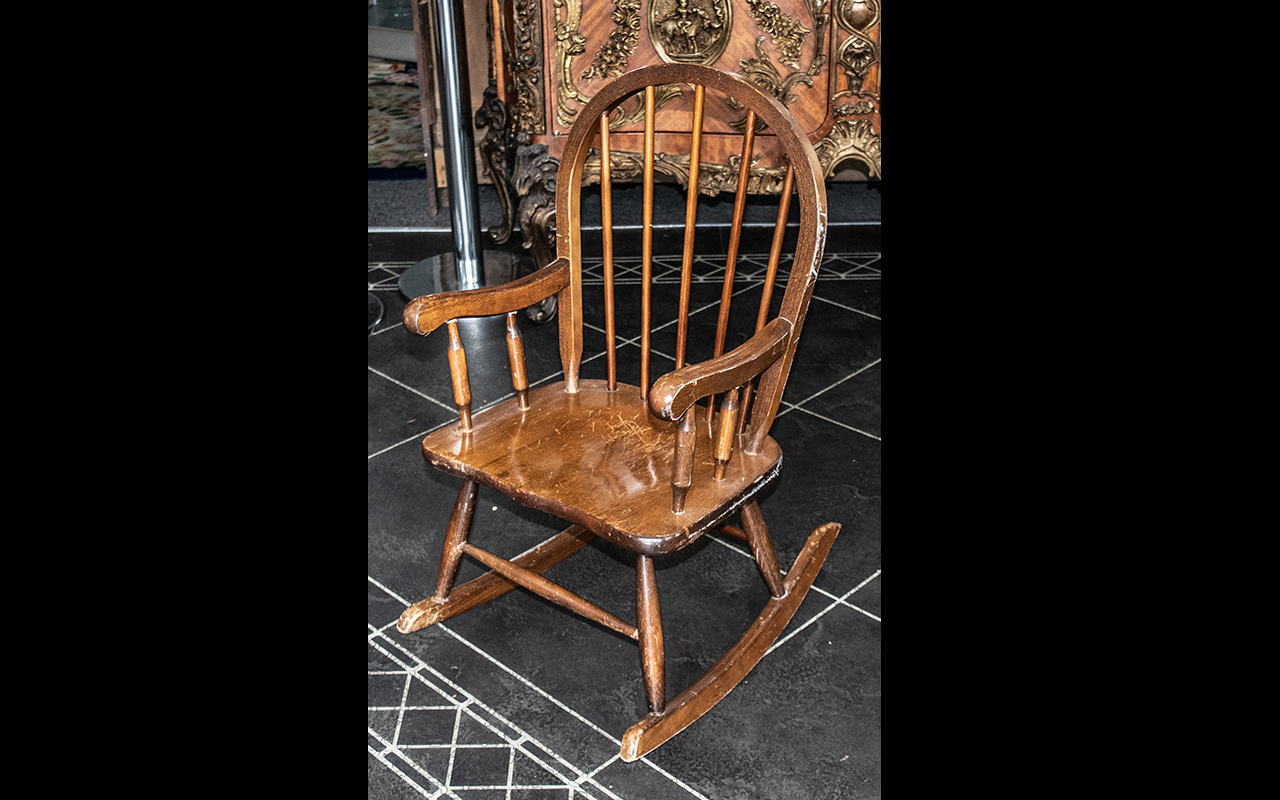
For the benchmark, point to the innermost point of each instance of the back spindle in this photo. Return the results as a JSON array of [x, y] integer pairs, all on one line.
[[646, 245], [606, 213], [771, 275], [690, 220], [735, 235]]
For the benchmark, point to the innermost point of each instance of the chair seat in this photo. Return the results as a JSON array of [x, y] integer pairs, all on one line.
[[555, 458]]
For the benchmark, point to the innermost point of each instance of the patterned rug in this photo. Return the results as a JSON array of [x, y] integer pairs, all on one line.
[[395, 121]]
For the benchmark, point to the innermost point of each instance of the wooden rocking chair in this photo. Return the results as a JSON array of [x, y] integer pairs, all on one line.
[[645, 467]]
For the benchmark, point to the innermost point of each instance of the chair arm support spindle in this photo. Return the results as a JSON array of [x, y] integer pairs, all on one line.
[[728, 429], [515, 352], [682, 466], [458, 372]]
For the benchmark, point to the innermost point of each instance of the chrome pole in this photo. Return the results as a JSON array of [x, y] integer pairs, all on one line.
[[459, 143]]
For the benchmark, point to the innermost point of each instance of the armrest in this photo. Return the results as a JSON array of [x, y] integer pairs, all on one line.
[[674, 392], [429, 312]]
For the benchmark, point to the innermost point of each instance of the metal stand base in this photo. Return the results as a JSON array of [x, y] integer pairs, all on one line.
[[438, 273], [375, 311]]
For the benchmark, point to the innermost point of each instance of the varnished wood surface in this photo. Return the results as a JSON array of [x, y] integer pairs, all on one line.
[[803, 171], [653, 665], [757, 535], [455, 537], [606, 237], [515, 356], [645, 467], [458, 374], [690, 228], [424, 314], [729, 671], [600, 459]]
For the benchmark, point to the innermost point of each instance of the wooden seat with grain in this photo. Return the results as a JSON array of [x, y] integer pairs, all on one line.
[[648, 467]]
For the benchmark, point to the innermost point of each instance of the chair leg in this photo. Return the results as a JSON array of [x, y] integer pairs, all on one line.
[[459, 526], [758, 536], [649, 621]]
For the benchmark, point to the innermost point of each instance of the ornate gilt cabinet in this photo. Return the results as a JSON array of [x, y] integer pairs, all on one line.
[[821, 58]]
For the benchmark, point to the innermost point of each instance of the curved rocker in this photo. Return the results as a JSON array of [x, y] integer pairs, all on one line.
[[728, 672]]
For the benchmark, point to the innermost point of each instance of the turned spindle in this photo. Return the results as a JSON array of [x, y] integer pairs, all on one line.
[[728, 429], [458, 371], [683, 467], [515, 352]]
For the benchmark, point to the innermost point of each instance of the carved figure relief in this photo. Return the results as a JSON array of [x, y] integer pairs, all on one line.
[[690, 31]]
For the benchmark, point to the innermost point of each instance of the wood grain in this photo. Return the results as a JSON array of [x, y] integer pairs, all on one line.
[[424, 314], [653, 663], [600, 459]]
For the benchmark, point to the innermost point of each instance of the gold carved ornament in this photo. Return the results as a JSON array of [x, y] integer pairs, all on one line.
[[612, 58], [569, 43]]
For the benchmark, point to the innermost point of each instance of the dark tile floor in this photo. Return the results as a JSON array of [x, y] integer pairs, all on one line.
[[522, 699]]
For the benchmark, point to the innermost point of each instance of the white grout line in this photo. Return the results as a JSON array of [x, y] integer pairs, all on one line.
[[453, 744], [855, 373], [837, 601], [826, 419], [404, 696], [511, 771], [381, 756], [410, 388], [820, 590], [817, 589], [847, 308], [415, 437], [530, 684], [817, 616], [397, 597], [541, 692], [464, 705]]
